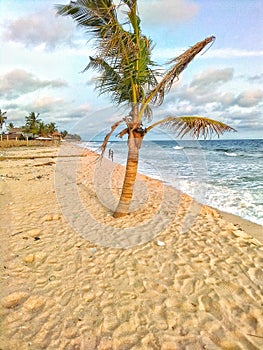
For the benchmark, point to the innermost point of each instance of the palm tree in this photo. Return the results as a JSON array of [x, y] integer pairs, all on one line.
[[128, 75], [51, 128], [42, 130], [11, 125], [32, 123], [64, 133], [2, 118]]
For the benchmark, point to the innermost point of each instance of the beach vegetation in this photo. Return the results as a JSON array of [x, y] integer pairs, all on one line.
[[74, 137], [129, 76], [36, 127], [33, 122], [64, 133]]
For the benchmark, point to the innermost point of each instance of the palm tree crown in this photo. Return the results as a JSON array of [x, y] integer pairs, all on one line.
[[32, 123]]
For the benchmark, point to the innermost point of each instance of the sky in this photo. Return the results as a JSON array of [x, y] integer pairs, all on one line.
[[42, 57]]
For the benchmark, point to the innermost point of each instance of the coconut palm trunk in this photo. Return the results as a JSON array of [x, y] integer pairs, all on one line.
[[134, 145]]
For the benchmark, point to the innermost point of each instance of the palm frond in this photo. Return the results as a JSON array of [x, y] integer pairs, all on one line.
[[93, 15], [98, 18], [125, 52], [148, 114], [109, 79], [107, 137], [132, 14], [184, 59], [194, 126]]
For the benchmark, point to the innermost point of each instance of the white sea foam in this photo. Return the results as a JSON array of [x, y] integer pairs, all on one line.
[[231, 154], [178, 147]]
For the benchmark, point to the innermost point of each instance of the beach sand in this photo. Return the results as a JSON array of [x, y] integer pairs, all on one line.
[[171, 275]]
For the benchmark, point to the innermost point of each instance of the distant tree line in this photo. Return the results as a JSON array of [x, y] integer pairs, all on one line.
[[35, 127]]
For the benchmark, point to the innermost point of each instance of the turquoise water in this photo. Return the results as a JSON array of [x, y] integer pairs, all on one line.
[[225, 174]]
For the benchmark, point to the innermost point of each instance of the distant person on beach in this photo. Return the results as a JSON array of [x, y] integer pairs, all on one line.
[[111, 154]]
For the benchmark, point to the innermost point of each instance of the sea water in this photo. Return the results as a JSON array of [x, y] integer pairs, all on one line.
[[224, 174]]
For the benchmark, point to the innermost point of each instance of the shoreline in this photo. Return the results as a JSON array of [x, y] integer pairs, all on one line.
[[195, 288], [252, 228], [218, 204]]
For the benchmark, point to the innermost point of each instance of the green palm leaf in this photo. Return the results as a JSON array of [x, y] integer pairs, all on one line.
[[194, 126], [125, 52]]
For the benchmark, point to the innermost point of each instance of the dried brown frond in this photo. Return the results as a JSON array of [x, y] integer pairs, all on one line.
[[156, 96], [123, 132], [189, 54], [106, 138]]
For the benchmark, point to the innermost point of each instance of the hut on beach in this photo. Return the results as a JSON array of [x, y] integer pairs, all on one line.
[[13, 134], [56, 136]]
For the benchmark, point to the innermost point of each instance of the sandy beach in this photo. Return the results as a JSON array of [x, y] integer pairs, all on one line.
[[172, 275]]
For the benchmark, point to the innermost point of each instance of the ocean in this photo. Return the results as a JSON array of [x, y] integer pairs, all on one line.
[[224, 174]]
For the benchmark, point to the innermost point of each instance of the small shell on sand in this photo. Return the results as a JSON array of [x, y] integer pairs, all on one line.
[[160, 243]]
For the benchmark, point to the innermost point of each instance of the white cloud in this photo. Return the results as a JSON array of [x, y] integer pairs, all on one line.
[[257, 78], [250, 98], [45, 104], [245, 121], [232, 53], [36, 29], [18, 82], [224, 53], [233, 104], [83, 109], [167, 12], [205, 88], [227, 99], [204, 96], [74, 114], [212, 77]]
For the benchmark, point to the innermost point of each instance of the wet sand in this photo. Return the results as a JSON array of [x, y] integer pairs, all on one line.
[[172, 275]]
